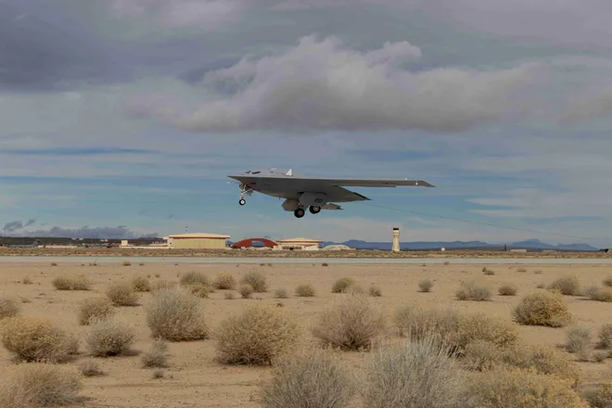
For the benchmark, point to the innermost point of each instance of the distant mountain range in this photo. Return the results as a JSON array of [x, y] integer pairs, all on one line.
[[421, 245]]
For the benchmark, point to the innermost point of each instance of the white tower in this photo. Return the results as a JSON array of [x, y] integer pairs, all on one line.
[[396, 234]]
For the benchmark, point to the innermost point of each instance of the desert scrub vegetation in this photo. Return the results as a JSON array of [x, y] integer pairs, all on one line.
[[352, 324], [605, 336], [375, 291], [314, 378], [122, 294], [607, 281], [189, 278], [158, 356], [225, 281], [71, 282], [95, 309], [415, 374], [34, 385], [163, 284], [305, 291], [281, 293], [594, 292], [109, 338], [257, 336], [199, 289], [473, 290], [342, 285], [507, 289], [247, 290], [487, 271], [600, 397], [90, 368], [425, 285], [141, 284], [176, 315], [567, 285], [417, 323], [579, 342], [33, 339], [9, 307], [509, 387], [542, 308], [257, 281]]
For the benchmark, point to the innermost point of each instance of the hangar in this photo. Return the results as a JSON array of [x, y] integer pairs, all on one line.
[[197, 240], [299, 243]]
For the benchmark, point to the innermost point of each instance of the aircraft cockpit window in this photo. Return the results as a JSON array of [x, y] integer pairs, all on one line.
[[256, 172], [247, 172]]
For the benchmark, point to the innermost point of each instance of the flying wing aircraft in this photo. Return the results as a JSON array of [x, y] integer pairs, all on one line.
[[316, 194]]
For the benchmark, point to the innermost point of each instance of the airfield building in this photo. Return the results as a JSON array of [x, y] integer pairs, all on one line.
[[305, 244], [197, 240]]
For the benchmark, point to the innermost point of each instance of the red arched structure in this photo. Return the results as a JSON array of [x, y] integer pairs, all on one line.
[[248, 243]]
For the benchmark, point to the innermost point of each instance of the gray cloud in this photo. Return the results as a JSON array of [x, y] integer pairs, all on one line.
[[12, 226], [119, 232]]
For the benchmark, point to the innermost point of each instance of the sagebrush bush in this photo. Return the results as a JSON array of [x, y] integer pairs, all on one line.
[[480, 326], [488, 272], [578, 340], [481, 355], [352, 324], [311, 379], [9, 307], [600, 397], [158, 356], [246, 291], [163, 284], [34, 385], [507, 289], [473, 290], [257, 281], [141, 284], [508, 387], [415, 374], [176, 315], [257, 336], [70, 282], [342, 285], [90, 368], [417, 322], [109, 338], [281, 293], [425, 285], [192, 277], [375, 291], [542, 308], [33, 339], [567, 285], [122, 294], [607, 281], [95, 309], [305, 291], [199, 289], [225, 281], [602, 295], [605, 336]]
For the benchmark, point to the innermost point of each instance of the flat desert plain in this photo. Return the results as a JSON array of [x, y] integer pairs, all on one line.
[[195, 379]]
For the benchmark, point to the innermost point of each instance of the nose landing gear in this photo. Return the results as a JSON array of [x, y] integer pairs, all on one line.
[[242, 201]]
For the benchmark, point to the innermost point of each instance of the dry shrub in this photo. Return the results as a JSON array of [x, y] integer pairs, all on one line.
[[542, 308], [425, 285], [90, 368], [522, 269], [281, 293], [225, 281], [257, 281], [257, 336], [567, 285], [603, 295], [605, 336], [415, 374], [601, 397], [355, 290], [481, 355], [418, 323], [507, 289], [163, 284], [305, 291], [95, 309], [246, 290], [607, 281], [27, 281], [36, 340], [312, 379], [176, 315], [488, 272], [9, 307], [141, 284], [578, 340], [342, 285], [480, 326], [508, 387], [228, 296], [352, 324], [158, 356], [600, 356], [473, 290], [122, 294], [375, 291], [199, 289], [70, 282], [109, 338], [40, 385], [192, 277]]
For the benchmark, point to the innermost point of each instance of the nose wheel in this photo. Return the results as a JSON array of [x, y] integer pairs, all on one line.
[[242, 201], [299, 213]]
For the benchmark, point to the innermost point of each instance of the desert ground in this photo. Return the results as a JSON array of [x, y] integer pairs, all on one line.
[[195, 379]]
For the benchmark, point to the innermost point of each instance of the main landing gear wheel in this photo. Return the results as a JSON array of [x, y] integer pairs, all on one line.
[[242, 201], [299, 213], [314, 209]]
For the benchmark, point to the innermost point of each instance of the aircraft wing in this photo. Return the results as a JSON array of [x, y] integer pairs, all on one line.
[[372, 182]]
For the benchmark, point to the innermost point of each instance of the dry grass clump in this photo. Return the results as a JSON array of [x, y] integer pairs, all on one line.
[[40, 385], [281, 293], [600, 294], [600, 397], [567, 285], [257, 336], [109, 338], [229, 296], [481, 355], [507, 289], [418, 323], [122, 294], [425, 285], [542, 308], [176, 315], [9, 307], [312, 379], [473, 290], [607, 281], [342, 285], [415, 374], [192, 277], [257, 281], [375, 291], [600, 356], [95, 309], [141, 284], [33, 339], [605, 336], [246, 291], [70, 282], [487, 271], [522, 269], [90, 368], [199, 289], [163, 284], [305, 291], [480, 326], [579, 341], [225, 281], [352, 324], [508, 387], [27, 281], [158, 356]]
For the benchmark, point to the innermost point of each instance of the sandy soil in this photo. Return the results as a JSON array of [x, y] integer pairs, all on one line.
[[194, 379]]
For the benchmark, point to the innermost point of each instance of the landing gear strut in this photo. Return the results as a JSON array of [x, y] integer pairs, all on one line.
[[299, 213], [314, 209]]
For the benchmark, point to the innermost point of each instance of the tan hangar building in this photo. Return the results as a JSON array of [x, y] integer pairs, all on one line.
[[299, 244], [197, 240]]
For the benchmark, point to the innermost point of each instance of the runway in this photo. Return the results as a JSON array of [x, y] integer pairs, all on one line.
[[293, 261]]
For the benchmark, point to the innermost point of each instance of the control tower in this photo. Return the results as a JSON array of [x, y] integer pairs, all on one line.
[[396, 234]]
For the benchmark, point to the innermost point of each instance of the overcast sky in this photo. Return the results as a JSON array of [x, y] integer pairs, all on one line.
[[124, 117]]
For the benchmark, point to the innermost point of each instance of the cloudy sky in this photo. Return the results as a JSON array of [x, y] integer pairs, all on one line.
[[124, 117]]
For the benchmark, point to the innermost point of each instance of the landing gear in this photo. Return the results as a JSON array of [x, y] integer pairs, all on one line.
[[314, 209], [299, 213], [242, 201]]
